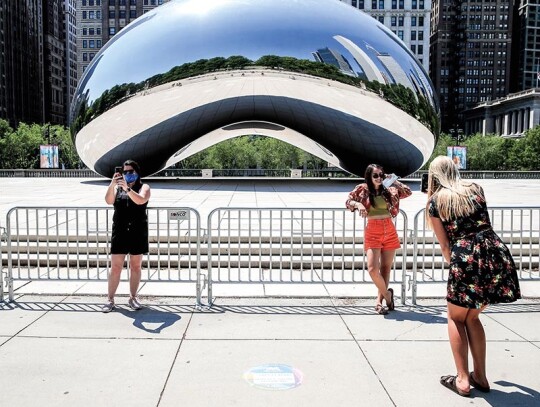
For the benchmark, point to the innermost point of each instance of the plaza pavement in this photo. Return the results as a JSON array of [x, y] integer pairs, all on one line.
[[60, 350]]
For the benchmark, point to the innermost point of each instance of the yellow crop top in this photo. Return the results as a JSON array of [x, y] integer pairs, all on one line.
[[379, 208]]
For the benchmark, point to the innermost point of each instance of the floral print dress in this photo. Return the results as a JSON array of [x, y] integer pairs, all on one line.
[[482, 270]]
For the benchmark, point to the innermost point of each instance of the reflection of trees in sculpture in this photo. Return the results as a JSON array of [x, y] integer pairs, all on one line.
[[404, 98]]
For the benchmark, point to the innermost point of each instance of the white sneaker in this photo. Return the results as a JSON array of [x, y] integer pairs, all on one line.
[[108, 307], [134, 303]]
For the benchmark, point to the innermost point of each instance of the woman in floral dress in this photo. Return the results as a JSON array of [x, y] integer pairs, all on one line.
[[482, 270]]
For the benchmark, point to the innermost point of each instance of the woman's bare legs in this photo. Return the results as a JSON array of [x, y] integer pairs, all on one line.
[[457, 333], [376, 262], [117, 263], [477, 344], [387, 258], [135, 264]]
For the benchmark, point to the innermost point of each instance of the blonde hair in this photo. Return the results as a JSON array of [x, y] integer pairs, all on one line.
[[454, 198]]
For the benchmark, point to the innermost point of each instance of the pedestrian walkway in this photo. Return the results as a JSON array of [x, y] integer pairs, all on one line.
[[62, 351]]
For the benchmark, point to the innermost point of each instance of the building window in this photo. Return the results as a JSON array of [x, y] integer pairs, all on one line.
[[132, 13], [381, 4], [374, 4], [421, 21], [414, 4], [112, 30], [420, 49], [112, 13], [393, 21], [122, 14], [394, 4], [421, 35], [84, 57], [381, 19], [400, 21], [85, 44], [401, 4], [413, 35], [91, 31], [98, 43], [400, 34], [92, 44], [413, 21]]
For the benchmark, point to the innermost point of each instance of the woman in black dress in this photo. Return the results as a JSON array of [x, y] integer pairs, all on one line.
[[482, 270], [129, 231]]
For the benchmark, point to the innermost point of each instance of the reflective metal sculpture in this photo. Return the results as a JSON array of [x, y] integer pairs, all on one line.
[[318, 74]]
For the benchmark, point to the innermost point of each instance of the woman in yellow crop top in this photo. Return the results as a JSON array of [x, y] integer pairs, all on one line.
[[379, 204]]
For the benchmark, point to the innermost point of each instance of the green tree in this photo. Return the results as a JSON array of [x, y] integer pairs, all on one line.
[[20, 148], [485, 152]]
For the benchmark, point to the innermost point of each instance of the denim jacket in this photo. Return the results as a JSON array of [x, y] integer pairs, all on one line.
[[361, 194]]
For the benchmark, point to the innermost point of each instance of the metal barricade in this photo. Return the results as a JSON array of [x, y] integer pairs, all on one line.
[[293, 245], [3, 239], [72, 244], [518, 227]]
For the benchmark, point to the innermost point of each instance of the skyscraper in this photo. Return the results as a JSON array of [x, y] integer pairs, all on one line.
[[470, 54], [21, 62], [526, 67]]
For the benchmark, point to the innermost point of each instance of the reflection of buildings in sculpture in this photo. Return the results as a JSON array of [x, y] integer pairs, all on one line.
[[371, 70], [158, 123], [332, 57], [395, 70]]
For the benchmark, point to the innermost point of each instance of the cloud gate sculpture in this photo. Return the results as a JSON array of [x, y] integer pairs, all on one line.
[[317, 74]]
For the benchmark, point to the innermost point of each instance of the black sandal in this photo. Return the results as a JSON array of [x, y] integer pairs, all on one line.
[[477, 385], [391, 306], [379, 309], [450, 382]]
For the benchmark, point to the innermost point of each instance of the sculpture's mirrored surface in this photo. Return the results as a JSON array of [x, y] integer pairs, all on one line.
[[314, 73]]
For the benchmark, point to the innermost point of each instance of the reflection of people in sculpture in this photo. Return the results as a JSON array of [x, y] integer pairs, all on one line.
[[379, 204]]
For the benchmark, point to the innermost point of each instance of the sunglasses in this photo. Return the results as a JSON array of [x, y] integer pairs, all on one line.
[[129, 171], [376, 175]]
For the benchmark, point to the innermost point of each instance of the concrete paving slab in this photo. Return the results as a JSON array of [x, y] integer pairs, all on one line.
[[18, 316], [412, 379], [64, 320], [84, 372], [257, 319], [518, 322], [334, 373]]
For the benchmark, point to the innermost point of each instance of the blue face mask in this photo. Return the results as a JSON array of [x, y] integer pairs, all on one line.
[[130, 178]]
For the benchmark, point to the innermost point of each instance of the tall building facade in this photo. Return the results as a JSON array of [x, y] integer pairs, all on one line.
[[21, 62], [100, 20], [408, 19], [470, 54], [70, 44], [526, 68]]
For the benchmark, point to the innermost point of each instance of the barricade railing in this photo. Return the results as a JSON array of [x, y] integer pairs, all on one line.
[[293, 245], [3, 240], [241, 246], [518, 227], [72, 244]]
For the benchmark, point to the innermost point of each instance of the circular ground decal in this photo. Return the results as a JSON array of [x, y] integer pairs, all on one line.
[[274, 377]]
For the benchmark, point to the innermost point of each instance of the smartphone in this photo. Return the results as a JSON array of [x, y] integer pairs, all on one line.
[[424, 185], [118, 170], [391, 178]]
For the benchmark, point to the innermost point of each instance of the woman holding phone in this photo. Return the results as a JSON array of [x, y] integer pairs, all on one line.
[[481, 269], [129, 230], [379, 203]]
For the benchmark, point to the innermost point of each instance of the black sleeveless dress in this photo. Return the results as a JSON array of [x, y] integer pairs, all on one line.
[[130, 225]]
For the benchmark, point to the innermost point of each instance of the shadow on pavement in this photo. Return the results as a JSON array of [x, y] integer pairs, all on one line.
[[152, 316], [521, 396]]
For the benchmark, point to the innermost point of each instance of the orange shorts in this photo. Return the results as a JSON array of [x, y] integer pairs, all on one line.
[[381, 234]]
